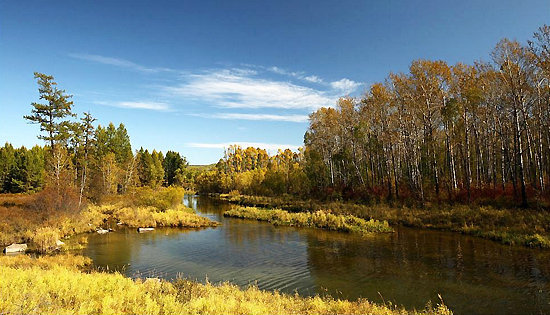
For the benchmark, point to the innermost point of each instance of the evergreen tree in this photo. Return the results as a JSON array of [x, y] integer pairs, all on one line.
[[52, 115]]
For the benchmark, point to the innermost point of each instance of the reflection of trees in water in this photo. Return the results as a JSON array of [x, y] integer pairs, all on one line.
[[208, 205], [243, 232], [412, 266]]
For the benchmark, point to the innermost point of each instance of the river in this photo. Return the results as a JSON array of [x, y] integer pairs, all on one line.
[[408, 267]]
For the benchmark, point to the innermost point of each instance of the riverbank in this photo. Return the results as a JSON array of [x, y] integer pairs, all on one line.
[[525, 227], [58, 285], [318, 219], [26, 219]]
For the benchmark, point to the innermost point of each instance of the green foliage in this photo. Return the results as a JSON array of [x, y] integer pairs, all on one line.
[[174, 168], [51, 116], [21, 170]]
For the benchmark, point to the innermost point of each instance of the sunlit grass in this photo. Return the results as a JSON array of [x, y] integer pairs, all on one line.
[[180, 216], [54, 285], [319, 219], [19, 223], [527, 227]]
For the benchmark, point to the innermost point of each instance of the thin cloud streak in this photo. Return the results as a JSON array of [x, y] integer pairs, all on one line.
[[137, 105], [122, 63], [259, 117]]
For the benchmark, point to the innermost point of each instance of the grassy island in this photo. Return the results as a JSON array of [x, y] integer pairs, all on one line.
[[319, 219]]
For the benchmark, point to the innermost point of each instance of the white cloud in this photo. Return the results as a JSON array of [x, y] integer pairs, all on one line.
[[138, 105], [118, 63], [231, 89], [299, 75], [277, 70], [345, 85], [314, 79], [272, 147], [262, 117]]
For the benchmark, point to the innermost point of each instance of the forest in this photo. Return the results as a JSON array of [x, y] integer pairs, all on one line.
[[462, 148], [440, 132]]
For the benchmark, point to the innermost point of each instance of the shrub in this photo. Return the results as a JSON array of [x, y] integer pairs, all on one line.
[[46, 239]]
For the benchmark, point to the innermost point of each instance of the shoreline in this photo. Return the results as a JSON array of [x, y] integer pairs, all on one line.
[[517, 227]]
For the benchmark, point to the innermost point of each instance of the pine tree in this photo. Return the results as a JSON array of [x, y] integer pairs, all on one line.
[[51, 116]]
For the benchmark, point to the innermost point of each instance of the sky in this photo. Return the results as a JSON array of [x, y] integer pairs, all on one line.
[[197, 76]]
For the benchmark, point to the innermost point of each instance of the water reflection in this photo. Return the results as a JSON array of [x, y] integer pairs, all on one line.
[[408, 267]]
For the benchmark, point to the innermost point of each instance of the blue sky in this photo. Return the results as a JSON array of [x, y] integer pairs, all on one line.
[[194, 77]]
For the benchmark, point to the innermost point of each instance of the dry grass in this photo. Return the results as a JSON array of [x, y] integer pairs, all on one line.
[[527, 227], [318, 219], [53, 285], [23, 218]]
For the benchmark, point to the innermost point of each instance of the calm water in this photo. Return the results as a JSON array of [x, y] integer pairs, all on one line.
[[409, 267]]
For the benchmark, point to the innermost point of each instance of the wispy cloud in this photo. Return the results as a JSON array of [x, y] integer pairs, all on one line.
[[278, 70], [261, 117], [137, 105], [245, 87], [298, 75], [273, 147], [345, 85], [314, 79], [234, 89], [122, 63]]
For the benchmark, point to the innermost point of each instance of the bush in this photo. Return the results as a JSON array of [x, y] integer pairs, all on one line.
[[46, 239]]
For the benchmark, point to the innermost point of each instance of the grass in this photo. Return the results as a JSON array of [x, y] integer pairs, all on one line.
[[526, 227], [28, 219], [179, 216], [319, 219], [55, 285]]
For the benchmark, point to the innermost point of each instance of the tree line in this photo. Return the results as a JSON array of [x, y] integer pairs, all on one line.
[[254, 171], [437, 132], [441, 130], [91, 161]]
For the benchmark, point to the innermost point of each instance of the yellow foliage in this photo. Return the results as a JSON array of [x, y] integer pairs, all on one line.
[[45, 238]]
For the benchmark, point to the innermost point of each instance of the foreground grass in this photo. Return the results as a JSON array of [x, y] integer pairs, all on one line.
[[318, 219], [54, 285], [526, 227]]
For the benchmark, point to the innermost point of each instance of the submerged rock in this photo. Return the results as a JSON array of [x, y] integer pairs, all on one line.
[[14, 248], [141, 230]]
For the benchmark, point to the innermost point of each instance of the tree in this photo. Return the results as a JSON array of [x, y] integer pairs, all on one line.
[[173, 165], [88, 139], [51, 116]]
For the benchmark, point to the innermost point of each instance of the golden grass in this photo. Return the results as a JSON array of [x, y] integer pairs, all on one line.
[[53, 285], [319, 219], [180, 216], [20, 222], [526, 227]]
